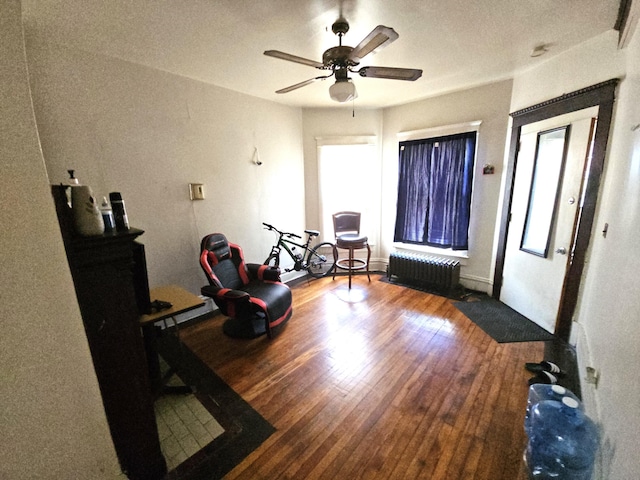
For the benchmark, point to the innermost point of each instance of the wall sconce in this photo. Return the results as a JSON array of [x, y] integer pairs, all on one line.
[[256, 157]]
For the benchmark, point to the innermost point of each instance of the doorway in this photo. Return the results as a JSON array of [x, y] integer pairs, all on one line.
[[544, 210], [602, 97]]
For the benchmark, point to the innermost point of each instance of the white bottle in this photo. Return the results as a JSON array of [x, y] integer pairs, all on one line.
[[86, 215]]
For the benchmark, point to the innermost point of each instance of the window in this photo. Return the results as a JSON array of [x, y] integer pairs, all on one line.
[[543, 197], [434, 191], [348, 180]]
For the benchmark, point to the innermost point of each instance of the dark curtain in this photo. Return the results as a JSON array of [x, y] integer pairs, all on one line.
[[434, 191]]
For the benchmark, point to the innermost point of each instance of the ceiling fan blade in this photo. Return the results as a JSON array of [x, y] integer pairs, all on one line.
[[302, 84], [378, 38], [293, 58], [409, 74]]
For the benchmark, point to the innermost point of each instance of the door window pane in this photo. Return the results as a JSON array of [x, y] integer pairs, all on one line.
[[543, 196]]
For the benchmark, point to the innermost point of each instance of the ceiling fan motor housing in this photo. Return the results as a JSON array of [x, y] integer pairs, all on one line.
[[338, 57], [341, 75]]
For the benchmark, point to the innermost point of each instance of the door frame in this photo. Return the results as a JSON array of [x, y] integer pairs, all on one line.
[[601, 95]]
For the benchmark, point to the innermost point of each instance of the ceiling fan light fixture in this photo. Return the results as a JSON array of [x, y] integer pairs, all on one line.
[[343, 91]]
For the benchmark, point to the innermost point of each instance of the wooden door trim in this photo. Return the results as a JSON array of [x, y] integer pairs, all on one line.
[[601, 95]]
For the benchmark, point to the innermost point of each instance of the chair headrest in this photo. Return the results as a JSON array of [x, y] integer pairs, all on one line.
[[217, 244]]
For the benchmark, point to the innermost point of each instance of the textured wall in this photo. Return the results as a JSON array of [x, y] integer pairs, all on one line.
[[53, 422]]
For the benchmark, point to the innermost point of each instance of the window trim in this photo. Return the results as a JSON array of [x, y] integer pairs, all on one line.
[[347, 140], [440, 131]]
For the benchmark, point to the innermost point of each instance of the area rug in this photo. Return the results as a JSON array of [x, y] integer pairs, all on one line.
[[244, 428], [500, 321]]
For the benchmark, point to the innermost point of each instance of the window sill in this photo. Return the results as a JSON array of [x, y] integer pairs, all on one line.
[[424, 249]]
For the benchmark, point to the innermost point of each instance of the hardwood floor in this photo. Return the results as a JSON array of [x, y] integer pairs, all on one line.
[[378, 382]]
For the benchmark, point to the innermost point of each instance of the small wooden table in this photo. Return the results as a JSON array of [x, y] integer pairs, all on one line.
[[181, 302]]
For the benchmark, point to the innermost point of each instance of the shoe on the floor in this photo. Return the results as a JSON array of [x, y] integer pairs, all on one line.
[[544, 366], [544, 377]]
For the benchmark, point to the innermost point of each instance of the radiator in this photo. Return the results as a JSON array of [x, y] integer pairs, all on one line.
[[437, 272]]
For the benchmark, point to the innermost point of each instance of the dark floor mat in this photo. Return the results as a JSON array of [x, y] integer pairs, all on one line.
[[501, 322]]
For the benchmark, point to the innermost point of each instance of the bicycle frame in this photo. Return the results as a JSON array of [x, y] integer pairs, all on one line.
[[283, 243], [308, 258]]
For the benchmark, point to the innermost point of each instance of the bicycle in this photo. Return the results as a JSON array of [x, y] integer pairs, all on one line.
[[310, 259]]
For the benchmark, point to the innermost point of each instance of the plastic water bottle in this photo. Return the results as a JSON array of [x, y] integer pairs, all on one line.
[[107, 215], [563, 441], [541, 391]]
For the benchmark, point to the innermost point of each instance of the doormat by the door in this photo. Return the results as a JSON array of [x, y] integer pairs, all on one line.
[[501, 322]]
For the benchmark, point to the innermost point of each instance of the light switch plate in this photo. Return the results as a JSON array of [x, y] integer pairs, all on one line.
[[196, 191]]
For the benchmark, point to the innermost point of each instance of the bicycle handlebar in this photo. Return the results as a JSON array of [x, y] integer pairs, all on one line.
[[271, 227]]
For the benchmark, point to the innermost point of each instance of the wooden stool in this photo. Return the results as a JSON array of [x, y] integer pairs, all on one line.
[[351, 242]]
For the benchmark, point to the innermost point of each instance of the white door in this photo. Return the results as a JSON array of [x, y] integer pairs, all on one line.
[[543, 218]]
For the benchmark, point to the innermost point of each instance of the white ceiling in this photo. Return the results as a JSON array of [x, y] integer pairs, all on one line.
[[457, 43]]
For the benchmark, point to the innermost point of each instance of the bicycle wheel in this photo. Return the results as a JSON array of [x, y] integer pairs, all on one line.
[[320, 260]]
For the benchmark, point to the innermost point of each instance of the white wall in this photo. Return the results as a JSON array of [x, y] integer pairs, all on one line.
[[52, 421], [489, 104], [609, 307], [594, 61], [146, 133]]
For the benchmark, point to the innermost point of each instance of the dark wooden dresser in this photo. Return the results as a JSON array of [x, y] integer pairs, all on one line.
[[103, 268]]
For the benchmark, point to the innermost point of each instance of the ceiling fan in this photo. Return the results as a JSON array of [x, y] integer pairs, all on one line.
[[343, 59]]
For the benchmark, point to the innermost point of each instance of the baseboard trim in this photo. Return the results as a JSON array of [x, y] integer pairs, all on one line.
[[477, 284]]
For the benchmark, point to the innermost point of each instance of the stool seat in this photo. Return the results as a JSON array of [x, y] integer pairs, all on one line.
[[351, 240]]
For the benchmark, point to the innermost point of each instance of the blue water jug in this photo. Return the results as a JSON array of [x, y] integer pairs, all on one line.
[[563, 441], [542, 391]]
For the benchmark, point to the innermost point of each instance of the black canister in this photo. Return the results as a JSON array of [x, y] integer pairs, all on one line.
[[119, 211]]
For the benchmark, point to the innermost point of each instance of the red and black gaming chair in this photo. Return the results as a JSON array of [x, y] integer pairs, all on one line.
[[252, 295]]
